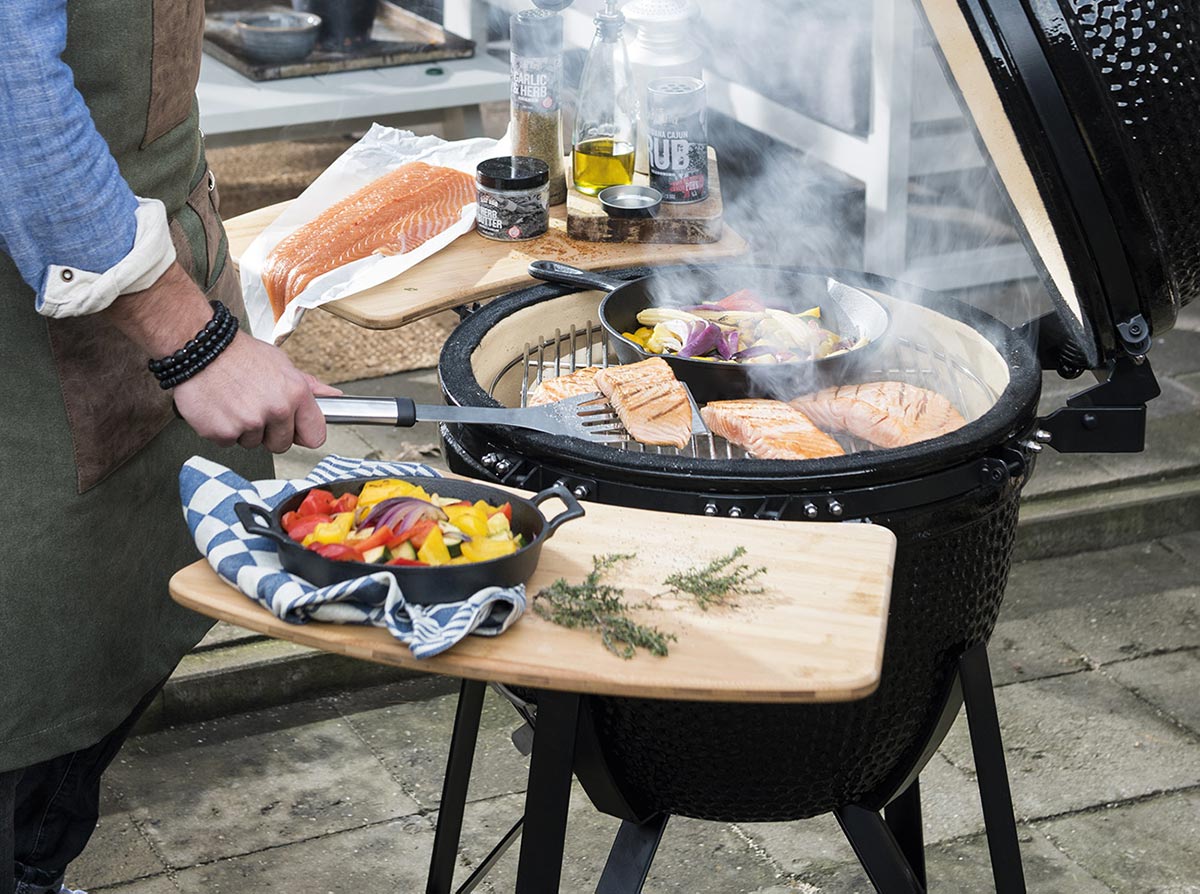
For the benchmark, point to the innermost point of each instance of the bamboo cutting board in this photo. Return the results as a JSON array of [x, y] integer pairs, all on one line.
[[473, 268], [815, 635]]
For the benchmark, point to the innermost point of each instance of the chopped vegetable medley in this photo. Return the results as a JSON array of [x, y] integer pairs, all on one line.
[[739, 328], [392, 522]]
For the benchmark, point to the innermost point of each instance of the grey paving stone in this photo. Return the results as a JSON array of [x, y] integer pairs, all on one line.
[[1191, 381], [1169, 682], [1080, 741], [1171, 441], [224, 634], [1029, 649], [695, 857], [1139, 625], [1186, 545], [1057, 473], [389, 857], [1089, 578], [412, 741], [1176, 352], [344, 440], [1145, 848], [966, 866], [117, 852], [239, 784], [950, 809], [158, 885]]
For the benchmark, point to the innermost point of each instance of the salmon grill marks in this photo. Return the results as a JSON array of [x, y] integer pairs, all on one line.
[[652, 404], [573, 384], [769, 429], [392, 215], [886, 414]]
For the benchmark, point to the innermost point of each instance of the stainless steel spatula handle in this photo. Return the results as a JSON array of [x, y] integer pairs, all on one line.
[[400, 411]]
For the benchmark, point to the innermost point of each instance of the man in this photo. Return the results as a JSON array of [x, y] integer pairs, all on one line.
[[110, 252]]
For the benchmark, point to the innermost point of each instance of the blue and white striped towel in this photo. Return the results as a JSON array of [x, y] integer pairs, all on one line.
[[209, 492]]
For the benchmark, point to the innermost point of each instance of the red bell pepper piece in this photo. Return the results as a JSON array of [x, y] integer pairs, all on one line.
[[744, 299], [344, 503], [303, 526], [317, 502], [339, 552], [289, 519], [401, 561], [416, 534], [379, 537], [505, 508]]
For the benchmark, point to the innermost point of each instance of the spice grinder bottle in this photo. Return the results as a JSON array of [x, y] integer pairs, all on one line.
[[536, 82], [606, 120], [663, 47]]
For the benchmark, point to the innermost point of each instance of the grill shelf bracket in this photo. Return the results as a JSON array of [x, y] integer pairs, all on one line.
[[1109, 417]]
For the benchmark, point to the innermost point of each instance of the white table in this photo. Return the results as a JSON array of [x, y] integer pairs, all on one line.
[[235, 109]]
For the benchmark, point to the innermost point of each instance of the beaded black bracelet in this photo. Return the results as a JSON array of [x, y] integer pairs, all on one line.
[[199, 351]]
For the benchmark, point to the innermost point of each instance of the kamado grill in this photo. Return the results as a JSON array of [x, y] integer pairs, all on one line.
[[1087, 112]]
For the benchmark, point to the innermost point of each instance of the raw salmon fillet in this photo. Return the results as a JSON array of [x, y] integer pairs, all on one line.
[[389, 216], [886, 414], [769, 429], [652, 404], [582, 381]]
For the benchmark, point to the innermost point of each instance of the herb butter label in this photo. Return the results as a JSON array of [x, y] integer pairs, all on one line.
[[535, 82]]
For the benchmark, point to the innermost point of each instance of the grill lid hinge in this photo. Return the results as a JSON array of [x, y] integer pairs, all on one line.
[[1109, 417]]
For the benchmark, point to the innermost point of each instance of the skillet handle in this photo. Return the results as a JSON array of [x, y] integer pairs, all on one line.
[[566, 275], [257, 521], [573, 510]]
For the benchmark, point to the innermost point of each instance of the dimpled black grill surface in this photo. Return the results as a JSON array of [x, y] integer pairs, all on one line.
[[1145, 56]]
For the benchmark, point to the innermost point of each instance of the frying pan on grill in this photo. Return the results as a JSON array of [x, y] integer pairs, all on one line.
[[849, 312]]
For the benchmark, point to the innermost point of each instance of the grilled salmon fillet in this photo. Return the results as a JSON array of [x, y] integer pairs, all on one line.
[[887, 414], [582, 381], [652, 404], [390, 216], [769, 429]]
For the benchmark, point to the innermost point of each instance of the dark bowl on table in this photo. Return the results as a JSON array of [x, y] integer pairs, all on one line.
[[278, 36], [423, 585]]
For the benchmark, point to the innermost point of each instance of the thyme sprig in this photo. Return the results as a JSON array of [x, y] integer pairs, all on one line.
[[595, 605], [718, 582]]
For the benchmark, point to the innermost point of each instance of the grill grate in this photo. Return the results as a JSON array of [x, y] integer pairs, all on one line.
[[905, 360]]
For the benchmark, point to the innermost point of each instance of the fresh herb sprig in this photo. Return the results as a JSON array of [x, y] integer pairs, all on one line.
[[595, 605], [718, 582]]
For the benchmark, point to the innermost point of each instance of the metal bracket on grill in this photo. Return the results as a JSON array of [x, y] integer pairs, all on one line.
[[1109, 417]]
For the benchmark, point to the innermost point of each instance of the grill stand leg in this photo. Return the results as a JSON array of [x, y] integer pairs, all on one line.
[[632, 853], [454, 788], [489, 861], [550, 771], [903, 816], [878, 851], [992, 773]]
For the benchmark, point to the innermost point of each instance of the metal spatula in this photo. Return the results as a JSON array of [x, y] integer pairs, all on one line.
[[587, 416]]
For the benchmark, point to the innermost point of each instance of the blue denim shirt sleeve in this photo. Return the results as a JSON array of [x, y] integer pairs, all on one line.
[[62, 198]]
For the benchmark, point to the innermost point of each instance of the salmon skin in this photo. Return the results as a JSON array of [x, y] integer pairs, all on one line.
[[652, 404], [572, 384], [886, 414], [768, 429], [389, 216]]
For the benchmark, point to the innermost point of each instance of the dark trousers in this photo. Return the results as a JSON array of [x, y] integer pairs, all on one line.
[[48, 811]]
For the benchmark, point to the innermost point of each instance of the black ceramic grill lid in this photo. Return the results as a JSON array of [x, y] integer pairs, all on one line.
[[1089, 111]]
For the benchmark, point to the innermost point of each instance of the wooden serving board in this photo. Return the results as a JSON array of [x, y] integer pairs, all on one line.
[[815, 634], [473, 268], [695, 223]]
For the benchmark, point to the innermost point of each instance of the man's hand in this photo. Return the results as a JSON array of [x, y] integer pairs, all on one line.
[[250, 395]]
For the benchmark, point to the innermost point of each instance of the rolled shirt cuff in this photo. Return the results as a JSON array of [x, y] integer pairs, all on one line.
[[71, 292]]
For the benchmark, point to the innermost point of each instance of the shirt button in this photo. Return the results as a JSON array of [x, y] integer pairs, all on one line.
[[68, 275]]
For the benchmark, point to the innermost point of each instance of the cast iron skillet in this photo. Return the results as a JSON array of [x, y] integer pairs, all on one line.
[[423, 586], [848, 311]]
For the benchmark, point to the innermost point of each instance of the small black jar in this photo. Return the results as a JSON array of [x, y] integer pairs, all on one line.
[[514, 198]]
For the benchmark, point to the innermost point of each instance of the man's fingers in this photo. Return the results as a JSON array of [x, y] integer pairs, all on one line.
[[319, 388], [279, 435], [310, 424], [251, 439]]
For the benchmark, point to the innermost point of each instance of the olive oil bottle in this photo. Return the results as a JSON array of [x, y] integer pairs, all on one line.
[[606, 119], [602, 162]]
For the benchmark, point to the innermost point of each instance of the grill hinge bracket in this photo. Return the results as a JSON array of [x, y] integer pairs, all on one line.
[[1109, 417]]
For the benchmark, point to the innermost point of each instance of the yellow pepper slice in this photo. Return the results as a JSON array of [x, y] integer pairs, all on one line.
[[385, 489], [334, 531], [433, 551], [483, 550], [471, 520]]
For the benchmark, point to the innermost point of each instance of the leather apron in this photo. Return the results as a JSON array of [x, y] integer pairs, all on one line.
[[89, 448]]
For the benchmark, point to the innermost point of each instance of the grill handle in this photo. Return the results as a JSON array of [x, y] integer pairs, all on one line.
[[566, 275], [398, 411]]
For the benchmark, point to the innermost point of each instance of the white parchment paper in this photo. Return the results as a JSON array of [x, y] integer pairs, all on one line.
[[381, 150]]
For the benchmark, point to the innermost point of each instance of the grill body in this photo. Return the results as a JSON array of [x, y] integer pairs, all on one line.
[[954, 546]]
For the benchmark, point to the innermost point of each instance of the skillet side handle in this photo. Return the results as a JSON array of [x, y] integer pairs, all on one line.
[[566, 275], [573, 510], [256, 521]]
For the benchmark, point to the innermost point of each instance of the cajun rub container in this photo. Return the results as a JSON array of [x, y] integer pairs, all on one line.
[[513, 198], [677, 131]]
